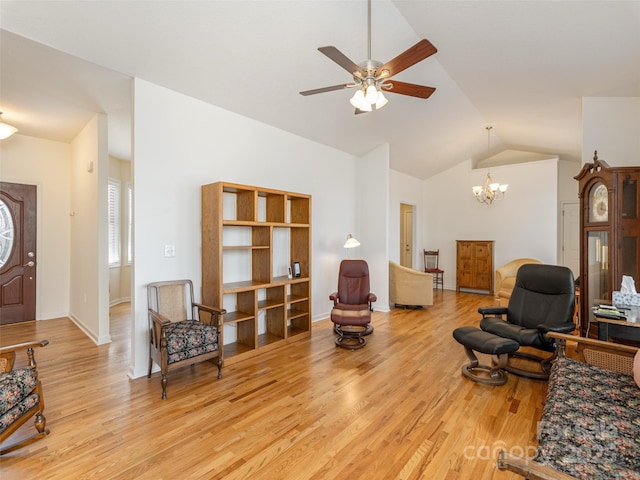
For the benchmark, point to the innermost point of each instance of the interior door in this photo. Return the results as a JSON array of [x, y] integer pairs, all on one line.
[[406, 235], [17, 253]]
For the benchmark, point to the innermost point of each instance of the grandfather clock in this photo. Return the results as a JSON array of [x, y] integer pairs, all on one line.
[[610, 231]]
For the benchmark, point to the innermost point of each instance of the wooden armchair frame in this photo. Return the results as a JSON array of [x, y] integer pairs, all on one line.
[[8, 357], [158, 351]]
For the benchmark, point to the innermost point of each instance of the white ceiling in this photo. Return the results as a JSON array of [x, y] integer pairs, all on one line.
[[521, 66]]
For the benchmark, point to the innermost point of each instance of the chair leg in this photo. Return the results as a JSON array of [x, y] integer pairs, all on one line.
[[544, 363], [219, 367], [25, 442], [352, 343], [478, 373], [163, 382], [473, 360], [349, 339], [368, 329], [40, 424]]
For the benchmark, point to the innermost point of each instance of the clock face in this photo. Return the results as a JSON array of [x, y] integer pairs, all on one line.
[[599, 203]]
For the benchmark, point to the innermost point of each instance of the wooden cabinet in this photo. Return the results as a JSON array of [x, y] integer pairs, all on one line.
[[610, 230], [474, 265], [250, 238]]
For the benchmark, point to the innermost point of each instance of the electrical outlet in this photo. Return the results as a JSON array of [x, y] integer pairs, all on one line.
[[169, 250]]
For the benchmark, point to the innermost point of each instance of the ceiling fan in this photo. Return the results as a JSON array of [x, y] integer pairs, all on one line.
[[372, 77]]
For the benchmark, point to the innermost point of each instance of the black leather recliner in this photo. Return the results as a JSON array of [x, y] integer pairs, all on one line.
[[542, 300]]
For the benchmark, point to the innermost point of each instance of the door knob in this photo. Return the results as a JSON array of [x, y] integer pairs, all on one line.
[[30, 263]]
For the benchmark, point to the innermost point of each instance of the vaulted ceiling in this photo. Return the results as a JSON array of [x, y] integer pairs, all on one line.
[[520, 66]]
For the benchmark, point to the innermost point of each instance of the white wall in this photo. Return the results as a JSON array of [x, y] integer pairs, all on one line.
[[409, 190], [373, 208], [89, 274], [523, 224], [181, 143], [611, 125], [46, 164]]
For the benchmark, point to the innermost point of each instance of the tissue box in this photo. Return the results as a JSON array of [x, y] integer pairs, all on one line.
[[628, 299]]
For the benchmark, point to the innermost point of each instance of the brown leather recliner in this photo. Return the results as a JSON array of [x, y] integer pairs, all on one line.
[[352, 304]]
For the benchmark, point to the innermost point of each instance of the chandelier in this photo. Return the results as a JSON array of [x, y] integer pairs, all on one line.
[[490, 191]]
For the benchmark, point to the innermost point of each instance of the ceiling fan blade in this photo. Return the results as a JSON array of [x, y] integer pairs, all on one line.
[[328, 89], [408, 58], [393, 86], [341, 59], [358, 111]]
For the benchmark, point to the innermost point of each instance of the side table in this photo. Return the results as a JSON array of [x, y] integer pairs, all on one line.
[[626, 328]]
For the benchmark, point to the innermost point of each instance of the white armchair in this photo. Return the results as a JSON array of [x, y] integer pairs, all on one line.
[[409, 287]]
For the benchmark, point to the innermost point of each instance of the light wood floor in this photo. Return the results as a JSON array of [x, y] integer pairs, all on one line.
[[399, 408]]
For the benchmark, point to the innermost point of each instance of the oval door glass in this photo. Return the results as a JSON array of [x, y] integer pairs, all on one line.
[[6, 233]]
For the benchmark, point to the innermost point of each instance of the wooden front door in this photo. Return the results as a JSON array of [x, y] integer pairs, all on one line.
[[17, 253]]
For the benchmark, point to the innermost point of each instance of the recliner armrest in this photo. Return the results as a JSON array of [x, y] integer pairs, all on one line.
[[566, 328], [484, 311], [334, 297], [370, 299]]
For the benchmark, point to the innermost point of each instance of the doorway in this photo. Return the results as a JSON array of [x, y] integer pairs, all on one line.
[[406, 235], [17, 252]]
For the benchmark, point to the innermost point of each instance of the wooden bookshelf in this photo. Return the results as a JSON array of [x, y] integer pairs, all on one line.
[[250, 237]]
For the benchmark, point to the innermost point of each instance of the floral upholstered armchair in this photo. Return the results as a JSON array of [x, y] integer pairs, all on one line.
[[20, 395], [182, 332]]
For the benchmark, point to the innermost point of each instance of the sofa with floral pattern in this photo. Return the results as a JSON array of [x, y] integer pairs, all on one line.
[[590, 424]]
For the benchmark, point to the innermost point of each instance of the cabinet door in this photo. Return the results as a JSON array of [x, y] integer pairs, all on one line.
[[629, 231], [483, 266], [464, 267]]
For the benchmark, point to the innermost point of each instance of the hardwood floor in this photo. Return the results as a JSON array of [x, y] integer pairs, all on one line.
[[399, 408]]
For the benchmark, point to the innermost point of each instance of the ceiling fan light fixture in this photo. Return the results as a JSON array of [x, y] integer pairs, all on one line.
[[6, 130], [365, 107], [369, 76], [382, 100], [358, 100], [372, 94]]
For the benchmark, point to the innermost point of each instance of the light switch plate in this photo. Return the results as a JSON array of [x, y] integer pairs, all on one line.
[[169, 250]]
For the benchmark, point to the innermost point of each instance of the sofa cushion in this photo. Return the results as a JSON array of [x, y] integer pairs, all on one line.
[[9, 417], [15, 386], [190, 338], [590, 426]]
